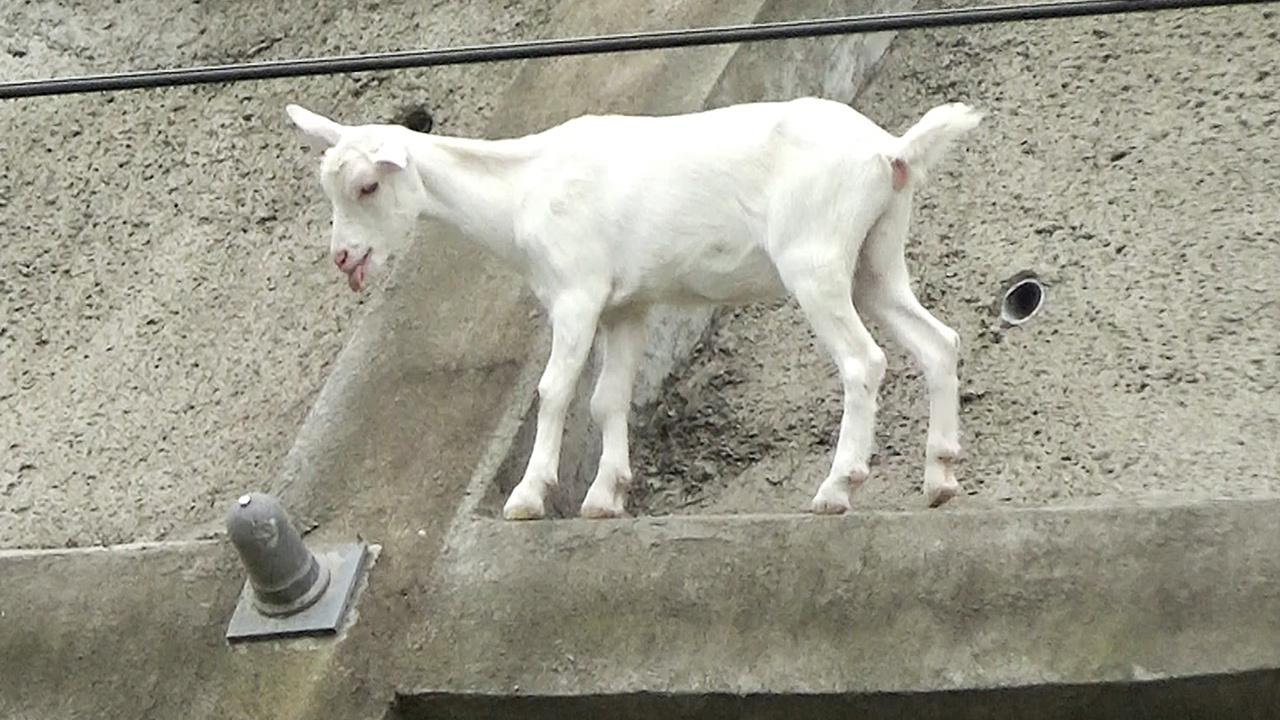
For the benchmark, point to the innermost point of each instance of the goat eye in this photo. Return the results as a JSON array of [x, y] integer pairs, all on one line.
[[367, 190]]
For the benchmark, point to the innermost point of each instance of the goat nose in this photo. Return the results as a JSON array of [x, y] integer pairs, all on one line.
[[340, 258]]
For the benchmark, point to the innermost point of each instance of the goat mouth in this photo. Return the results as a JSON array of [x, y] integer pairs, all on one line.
[[356, 273]]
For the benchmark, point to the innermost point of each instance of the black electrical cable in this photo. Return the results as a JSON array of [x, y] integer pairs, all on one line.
[[600, 44]]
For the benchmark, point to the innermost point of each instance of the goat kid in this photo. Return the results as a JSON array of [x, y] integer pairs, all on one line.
[[606, 216]]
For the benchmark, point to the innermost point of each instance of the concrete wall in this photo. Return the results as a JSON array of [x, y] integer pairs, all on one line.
[[168, 312]]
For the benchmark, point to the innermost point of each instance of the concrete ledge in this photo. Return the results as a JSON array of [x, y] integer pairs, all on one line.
[[137, 631], [867, 604], [1134, 612]]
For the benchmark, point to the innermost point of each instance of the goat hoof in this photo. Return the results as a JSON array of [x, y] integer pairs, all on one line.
[[940, 495], [595, 507], [833, 493], [940, 484], [523, 512], [831, 503], [523, 505], [602, 512]]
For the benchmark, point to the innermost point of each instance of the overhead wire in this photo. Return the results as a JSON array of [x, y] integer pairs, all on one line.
[[629, 42]]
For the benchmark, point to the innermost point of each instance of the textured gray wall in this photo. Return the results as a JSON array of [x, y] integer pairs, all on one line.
[[168, 311]]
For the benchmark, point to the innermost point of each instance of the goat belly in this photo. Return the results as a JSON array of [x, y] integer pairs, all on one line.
[[724, 272]]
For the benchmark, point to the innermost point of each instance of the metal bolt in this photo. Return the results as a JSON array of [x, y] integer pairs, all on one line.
[[285, 576]]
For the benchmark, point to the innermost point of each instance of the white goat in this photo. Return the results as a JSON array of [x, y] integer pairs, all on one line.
[[605, 216]]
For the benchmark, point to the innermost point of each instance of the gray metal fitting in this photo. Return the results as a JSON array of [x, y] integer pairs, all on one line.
[[290, 590], [286, 577]]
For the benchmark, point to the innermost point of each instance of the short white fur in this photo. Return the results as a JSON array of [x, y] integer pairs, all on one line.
[[607, 216]]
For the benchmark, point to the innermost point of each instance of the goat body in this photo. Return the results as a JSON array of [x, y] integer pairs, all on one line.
[[606, 216]]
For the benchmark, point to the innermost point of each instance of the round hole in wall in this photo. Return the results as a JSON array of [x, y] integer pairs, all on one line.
[[1023, 297], [415, 117]]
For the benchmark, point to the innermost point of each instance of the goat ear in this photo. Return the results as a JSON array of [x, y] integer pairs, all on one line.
[[391, 156], [320, 132]]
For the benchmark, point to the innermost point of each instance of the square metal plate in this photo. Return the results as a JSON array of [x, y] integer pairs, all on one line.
[[345, 562]]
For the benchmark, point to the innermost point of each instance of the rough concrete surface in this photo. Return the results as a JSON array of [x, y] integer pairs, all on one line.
[[1129, 160], [167, 309]]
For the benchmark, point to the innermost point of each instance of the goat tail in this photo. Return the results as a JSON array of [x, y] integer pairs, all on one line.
[[929, 139]]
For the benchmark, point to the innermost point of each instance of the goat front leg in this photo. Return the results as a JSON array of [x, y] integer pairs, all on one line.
[[623, 336], [573, 327], [882, 291]]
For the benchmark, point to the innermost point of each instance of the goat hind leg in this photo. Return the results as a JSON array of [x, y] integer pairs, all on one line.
[[826, 302], [882, 291], [573, 326]]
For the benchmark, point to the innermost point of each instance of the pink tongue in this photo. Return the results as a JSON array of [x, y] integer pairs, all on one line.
[[356, 278]]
